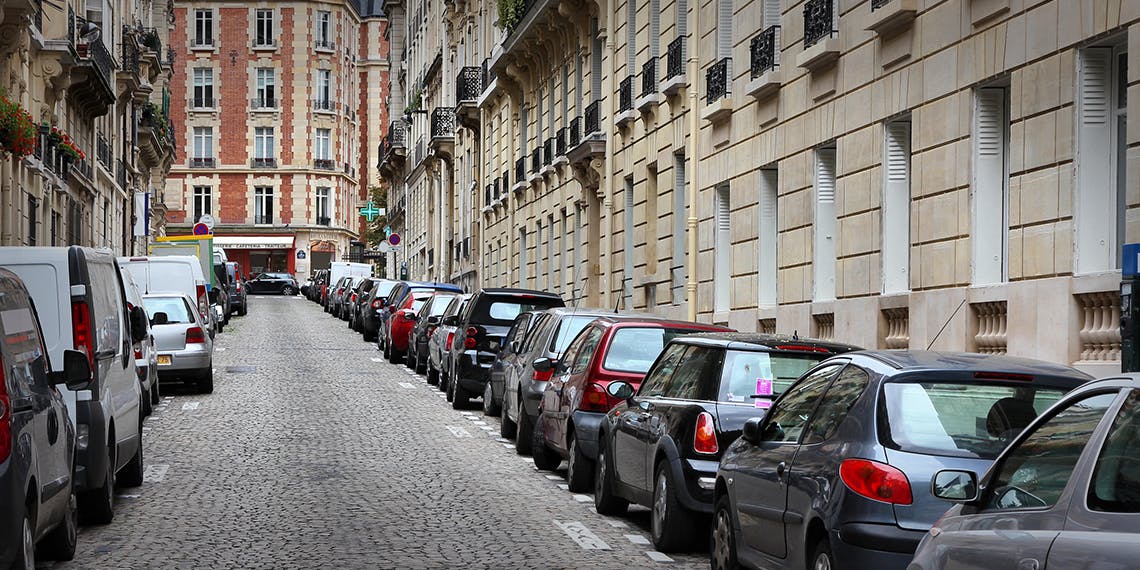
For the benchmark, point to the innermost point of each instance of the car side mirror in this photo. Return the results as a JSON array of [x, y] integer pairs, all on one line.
[[452, 321], [410, 316], [433, 320], [752, 430], [138, 324], [160, 318], [543, 364], [76, 372], [516, 346], [620, 390], [955, 485]]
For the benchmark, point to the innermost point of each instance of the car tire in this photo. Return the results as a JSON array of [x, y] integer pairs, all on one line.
[[145, 406], [242, 311], [507, 427], [460, 398], [26, 554], [206, 381], [821, 557], [421, 365], [670, 525], [155, 395], [432, 374], [605, 501], [97, 506], [395, 356], [722, 551], [545, 459], [524, 439], [490, 406], [132, 473], [580, 469], [287, 290], [449, 389], [60, 543]]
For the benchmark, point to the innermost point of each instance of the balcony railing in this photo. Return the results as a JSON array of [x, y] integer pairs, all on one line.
[[548, 152], [269, 102], [536, 159], [763, 51], [324, 43], [625, 95], [103, 151], [488, 196], [130, 59], [469, 84], [263, 218], [121, 174], [876, 4], [574, 133], [324, 104], [263, 42], [506, 182], [324, 220], [150, 40], [201, 102], [649, 77], [560, 142], [716, 78], [101, 58], [443, 122], [593, 119], [488, 74], [819, 21], [199, 162], [520, 168], [263, 163], [324, 164], [675, 58]]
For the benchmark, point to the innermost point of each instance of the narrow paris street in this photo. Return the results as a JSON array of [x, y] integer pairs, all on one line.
[[314, 453]]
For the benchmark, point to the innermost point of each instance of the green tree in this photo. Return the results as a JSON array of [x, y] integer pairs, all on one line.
[[375, 234]]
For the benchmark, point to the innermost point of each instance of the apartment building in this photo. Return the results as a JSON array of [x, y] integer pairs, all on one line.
[[280, 102], [86, 135], [891, 173]]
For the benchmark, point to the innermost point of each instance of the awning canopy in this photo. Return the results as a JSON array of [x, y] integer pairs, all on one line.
[[253, 242]]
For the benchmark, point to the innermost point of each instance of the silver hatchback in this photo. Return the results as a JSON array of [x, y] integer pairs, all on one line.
[[185, 351]]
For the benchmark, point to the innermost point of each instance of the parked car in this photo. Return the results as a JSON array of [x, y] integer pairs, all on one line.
[[575, 401], [185, 352], [550, 334], [220, 293], [146, 358], [838, 472], [282, 283], [317, 282], [479, 333], [371, 308], [353, 297], [394, 301], [81, 301], [439, 345], [512, 344], [173, 273], [402, 322], [332, 297], [661, 445], [427, 321], [238, 294], [1064, 494], [38, 506]]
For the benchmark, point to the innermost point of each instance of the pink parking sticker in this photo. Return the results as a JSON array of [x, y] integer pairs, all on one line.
[[763, 388]]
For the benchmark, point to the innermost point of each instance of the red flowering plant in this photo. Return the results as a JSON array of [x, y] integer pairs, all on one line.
[[18, 130], [64, 145]]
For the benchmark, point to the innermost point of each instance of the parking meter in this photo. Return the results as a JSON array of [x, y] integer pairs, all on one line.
[[1130, 324]]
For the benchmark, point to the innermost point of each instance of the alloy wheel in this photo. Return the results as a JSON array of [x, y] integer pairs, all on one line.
[[822, 561], [722, 540], [28, 544], [659, 504]]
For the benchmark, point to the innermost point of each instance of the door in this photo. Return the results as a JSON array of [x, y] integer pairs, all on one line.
[[762, 477], [509, 351], [675, 411], [629, 452]]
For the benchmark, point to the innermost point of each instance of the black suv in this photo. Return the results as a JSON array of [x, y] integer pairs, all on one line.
[[479, 332]]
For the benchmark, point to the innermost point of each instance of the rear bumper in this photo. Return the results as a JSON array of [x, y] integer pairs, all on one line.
[[873, 545], [473, 370], [183, 360], [587, 426], [699, 476]]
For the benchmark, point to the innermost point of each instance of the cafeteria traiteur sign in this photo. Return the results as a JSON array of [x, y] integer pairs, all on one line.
[[254, 242]]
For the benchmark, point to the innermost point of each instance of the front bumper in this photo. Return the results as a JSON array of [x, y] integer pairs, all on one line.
[[473, 370]]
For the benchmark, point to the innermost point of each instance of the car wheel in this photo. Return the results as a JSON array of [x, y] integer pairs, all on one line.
[[26, 556], [507, 427], [544, 458], [605, 501], [524, 440], [432, 374], [723, 555], [60, 543], [206, 381], [580, 469], [287, 290], [132, 473], [670, 525], [395, 356], [242, 311], [97, 506], [460, 398], [490, 406], [449, 389], [155, 396], [821, 558], [421, 365], [145, 406]]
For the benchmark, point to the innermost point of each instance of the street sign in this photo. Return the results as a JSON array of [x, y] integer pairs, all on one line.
[[394, 239], [201, 229], [385, 247], [208, 220], [370, 211]]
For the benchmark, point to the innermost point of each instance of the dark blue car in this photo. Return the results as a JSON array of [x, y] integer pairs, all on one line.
[[837, 474]]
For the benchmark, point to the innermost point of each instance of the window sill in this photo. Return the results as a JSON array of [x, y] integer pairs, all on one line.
[[717, 111], [204, 47], [764, 86], [822, 54], [892, 17], [267, 47]]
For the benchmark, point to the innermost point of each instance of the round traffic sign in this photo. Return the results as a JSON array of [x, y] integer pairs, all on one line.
[[201, 229], [394, 239], [208, 220]]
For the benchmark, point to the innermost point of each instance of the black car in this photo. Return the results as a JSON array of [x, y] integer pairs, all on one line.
[[427, 321], [283, 283], [479, 333], [660, 447], [238, 302], [365, 294], [317, 287], [373, 308]]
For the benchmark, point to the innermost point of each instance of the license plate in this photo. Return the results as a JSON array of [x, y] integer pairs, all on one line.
[[164, 360]]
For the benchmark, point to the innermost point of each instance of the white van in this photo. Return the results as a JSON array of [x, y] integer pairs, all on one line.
[[173, 274], [338, 269], [81, 300]]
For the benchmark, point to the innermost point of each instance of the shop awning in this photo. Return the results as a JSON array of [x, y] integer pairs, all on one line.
[[253, 242]]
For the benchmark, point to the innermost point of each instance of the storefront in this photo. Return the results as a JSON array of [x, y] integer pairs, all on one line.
[[259, 254]]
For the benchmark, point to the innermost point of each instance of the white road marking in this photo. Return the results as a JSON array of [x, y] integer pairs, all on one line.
[[509, 445], [582, 535], [503, 440], [489, 428], [583, 499], [168, 398], [553, 477], [191, 405], [478, 423], [219, 349], [458, 431], [564, 486], [465, 413], [155, 473], [407, 385], [374, 359], [658, 556], [127, 496], [618, 524], [637, 539], [145, 428]]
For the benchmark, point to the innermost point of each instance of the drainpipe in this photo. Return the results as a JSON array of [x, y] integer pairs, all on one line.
[[694, 162], [608, 200]]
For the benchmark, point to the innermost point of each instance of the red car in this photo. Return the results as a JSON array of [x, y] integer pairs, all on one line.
[[403, 320], [618, 347]]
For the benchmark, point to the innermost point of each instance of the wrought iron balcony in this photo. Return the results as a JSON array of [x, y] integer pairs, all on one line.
[[487, 195], [324, 104], [269, 102], [593, 119], [649, 77], [263, 218], [763, 52], [625, 95], [560, 142], [536, 159], [324, 220], [263, 163], [324, 164], [468, 84], [548, 152], [150, 40], [443, 122], [93, 79], [202, 42], [876, 4], [130, 57], [675, 58], [203, 162], [324, 43], [103, 151], [121, 174], [520, 168], [819, 21], [574, 133], [488, 74], [717, 80], [397, 136], [204, 102], [506, 182], [264, 42]]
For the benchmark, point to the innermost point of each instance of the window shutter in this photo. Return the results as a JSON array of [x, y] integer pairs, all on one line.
[[682, 8], [768, 270], [654, 28], [988, 241], [631, 35], [566, 93], [1096, 181], [724, 29], [723, 251], [824, 258], [896, 208], [595, 62]]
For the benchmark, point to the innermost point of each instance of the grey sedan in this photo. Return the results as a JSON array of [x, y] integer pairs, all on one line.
[[185, 351]]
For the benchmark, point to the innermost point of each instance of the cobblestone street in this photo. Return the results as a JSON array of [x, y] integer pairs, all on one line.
[[314, 453]]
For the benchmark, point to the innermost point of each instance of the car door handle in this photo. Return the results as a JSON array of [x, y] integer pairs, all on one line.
[[781, 467]]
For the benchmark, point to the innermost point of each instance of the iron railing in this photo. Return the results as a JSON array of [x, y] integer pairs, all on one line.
[[487, 195], [497, 189], [649, 77], [263, 162], [716, 80], [819, 21], [763, 52], [487, 74], [625, 95], [675, 58], [536, 159], [130, 57], [324, 104], [574, 133], [506, 182], [202, 41], [324, 164], [121, 174], [593, 119], [468, 84], [71, 26], [101, 58], [520, 168], [201, 102], [150, 39], [560, 142], [324, 220], [324, 43], [548, 152], [876, 4], [443, 122], [203, 162], [269, 102], [263, 218], [103, 151]]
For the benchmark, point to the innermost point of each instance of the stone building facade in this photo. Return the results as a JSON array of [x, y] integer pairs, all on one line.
[[280, 103], [955, 174]]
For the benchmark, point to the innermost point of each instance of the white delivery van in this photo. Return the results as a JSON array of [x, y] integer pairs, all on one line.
[[173, 274], [338, 269]]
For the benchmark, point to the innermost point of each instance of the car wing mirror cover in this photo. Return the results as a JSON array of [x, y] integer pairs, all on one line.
[[76, 372], [752, 430], [544, 364], [620, 390], [955, 485]]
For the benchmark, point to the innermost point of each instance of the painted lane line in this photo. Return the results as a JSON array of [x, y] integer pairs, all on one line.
[[618, 524], [155, 473], [191, 405], [489, 428], [466, 413], [509, 445], [220, 349], [168, 398], [637, 539], [564, 486], [658, 556], [478, 423], [503, 440], [583, 499], [407, 385], [374, 359], [554, 477], [127, 496], [458, 431], [582, 535]]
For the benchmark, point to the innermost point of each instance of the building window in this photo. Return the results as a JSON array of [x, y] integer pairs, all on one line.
[[524, 270], [203, 28], [321, 147], [266, 88], [724, 29], [263, 32], [1101, 158], [324, 88], [56, 222], [323, 32], [896, 206], [33, 217], [768, 271], [628, 254], [263, 147], [553, 262], [989, 241], [203, 142], [203, 88], [263, 205], [539, 263], [203, 198], [323, 206], [823, 258], [722, 272]]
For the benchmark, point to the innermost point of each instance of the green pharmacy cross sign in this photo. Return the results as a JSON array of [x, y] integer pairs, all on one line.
[[370, 211]]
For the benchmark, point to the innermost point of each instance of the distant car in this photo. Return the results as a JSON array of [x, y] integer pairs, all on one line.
[[660, 446], [1064, 494], [238, 293], [838, 472], [395, 300], [371, 307], [333, 295], [575, 401], [38, 506], [402, 322], [185, 352], [355, 300], [439, 345], [282, 283], [427, 322]]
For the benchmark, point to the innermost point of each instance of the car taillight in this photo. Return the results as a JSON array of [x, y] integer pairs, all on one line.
[[595, 399], [5, 420], [377, 304], [469, 342], [704, 437], [138, 353], [203, 300], [876, 481], [450, 337], [81, 332], [472, 331], [354, 297], [542, 375], [194, 335]]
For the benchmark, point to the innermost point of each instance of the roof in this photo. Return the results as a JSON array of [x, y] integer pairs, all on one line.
[[911, 360], [514, 291], [747, 340]]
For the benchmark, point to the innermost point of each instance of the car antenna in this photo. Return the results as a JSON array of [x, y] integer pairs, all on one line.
[[946, 324]]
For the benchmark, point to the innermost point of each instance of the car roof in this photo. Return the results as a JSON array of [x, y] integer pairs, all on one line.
[[517, 291], [918, 360], [635, 319], [581, 311], [761, 341]]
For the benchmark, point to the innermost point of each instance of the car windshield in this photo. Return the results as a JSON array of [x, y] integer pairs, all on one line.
[[502, 311], [383, 288], [747, 373], [177, 313], [960, 419], [568, 328], [438, 306], [633, 349], [418, 302]]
